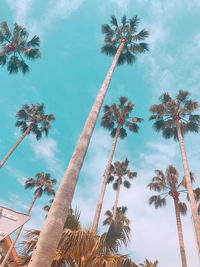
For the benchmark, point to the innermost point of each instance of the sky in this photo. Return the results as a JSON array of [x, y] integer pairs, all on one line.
[[67, 78]]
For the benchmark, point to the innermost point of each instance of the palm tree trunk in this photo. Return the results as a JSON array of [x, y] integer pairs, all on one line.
[[103, 187], [53, 226], [14, 147], [116, 199], [180, 232], [18, 233], [189, 186]]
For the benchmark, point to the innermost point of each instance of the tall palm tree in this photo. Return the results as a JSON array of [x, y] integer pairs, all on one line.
[[31, 119], [174, 118], [124, 38], [120, 217], [15, 46], [43, 184], [170, 185], [115, 119], [148, 263], [119, 173]]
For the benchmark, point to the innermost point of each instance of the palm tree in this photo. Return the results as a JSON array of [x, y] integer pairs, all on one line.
[[115, 119], [174, 118], [169, 185], [148, 263], [43, 184], [119, 173], [78, 247], [47, 207], [120, 217], [15, 45], [125, 37], [31, 119]]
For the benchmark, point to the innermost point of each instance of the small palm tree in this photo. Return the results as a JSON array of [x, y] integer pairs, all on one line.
[[174, 118], [120, 217], [115, 119], [169, 185], [125, 37], [148, 263], [119, 173], [78, 247], [47, 207], [31, 119], [15, 46], [43, 184]]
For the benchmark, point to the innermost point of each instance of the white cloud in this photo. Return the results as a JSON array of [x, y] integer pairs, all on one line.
[[16, 174], [53, 10], [47, 150]]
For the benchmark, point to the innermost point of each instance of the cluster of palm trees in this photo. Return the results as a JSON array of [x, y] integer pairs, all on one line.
[[62, 240]]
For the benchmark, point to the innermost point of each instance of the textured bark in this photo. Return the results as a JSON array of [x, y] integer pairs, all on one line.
[[104, 184], [180, 233], [116, 199], [14, 147], [18, 233], [192, 201], [52, 229]]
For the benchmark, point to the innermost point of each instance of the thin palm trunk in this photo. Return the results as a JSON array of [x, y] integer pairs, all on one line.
[[192, 201], [18, 233], [116, 199], [180, 233], [53, 226], [103, 187], [14, 147]]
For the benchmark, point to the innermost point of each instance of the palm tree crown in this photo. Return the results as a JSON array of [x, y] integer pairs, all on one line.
[[115, 115], [43, 183], [148, 263], [181, 108], [126, 33], [15, 46], [121, 172], [35, 116], [169, 184]]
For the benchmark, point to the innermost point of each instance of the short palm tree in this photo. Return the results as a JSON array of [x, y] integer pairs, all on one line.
[[15, 46], [125, 37], [78, 247], [120, 174], [148, 263], [168, 184], [115, 119], [174, 118], [120, 217], [43, 184], [31, 119]]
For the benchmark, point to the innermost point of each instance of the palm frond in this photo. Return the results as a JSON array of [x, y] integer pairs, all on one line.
[[182, 208], [113, 21], [122, 133], [182, 96], [141, 36], [35, 41], [5, 29], [157, 201], [3, 60]]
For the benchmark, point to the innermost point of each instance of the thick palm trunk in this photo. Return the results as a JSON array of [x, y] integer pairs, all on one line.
[[116, 199], [103, 187], [180, 233], [18, 233], [189, 186], [53, 225], [14, 147]]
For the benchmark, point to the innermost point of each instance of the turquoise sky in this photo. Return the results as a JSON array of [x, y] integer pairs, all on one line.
[[67, 78]]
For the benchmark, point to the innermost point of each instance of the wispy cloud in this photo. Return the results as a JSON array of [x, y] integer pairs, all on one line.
[[47, 151], [16, 174], [53, 10]]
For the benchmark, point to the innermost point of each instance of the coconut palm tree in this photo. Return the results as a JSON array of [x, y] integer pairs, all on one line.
[[78, 247], [15, 46], [31, 119], [174, 118], [43, 184], [119, 173], [124, 38], [120, 217], [115, 119], [170, 185], [148, 263]]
